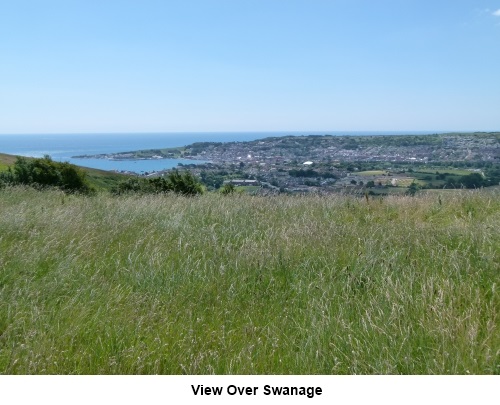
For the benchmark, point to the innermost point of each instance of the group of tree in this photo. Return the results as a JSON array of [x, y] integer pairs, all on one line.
[[213, 180], [44, 172], [184, 183], [473, 180]]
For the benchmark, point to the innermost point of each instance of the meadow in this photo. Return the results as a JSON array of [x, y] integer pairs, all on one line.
[[241, 284]]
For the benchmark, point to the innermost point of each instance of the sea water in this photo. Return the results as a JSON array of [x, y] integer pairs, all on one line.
[[63, 147]]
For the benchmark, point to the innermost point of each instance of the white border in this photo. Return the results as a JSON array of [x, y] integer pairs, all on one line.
[[124, 390]]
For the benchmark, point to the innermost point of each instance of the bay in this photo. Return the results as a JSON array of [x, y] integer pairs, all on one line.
[[62, 147]]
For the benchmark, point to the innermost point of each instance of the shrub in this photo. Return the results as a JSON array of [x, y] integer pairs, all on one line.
[[185, 183], [228, 189], [44, 172], [132, 185]]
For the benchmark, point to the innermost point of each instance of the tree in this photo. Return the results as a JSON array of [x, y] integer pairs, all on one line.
[[72, 177], [45, 172], [473, 180], [212, 179], [412, 190]]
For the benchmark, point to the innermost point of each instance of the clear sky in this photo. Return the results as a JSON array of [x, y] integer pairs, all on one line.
[[249, 65]]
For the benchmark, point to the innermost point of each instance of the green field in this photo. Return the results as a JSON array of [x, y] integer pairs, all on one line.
[[248, 189], [244, 285], [456, 172], [390, 191], [372, 173]]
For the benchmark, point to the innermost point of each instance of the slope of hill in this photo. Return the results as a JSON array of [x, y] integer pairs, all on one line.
[[6, 161], [98, 179]]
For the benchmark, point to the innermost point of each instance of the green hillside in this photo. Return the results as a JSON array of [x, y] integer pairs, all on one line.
[[98, 179], [243, 284], [6, 161], [104, 180]]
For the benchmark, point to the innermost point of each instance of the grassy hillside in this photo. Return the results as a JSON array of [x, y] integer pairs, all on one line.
[[243, 284], [6, 161], [98, 179], [102, 179]]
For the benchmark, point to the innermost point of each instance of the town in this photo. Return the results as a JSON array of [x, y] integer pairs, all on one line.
[[301, 164]]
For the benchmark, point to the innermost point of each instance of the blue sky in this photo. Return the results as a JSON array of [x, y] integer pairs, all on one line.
[[249, 65]]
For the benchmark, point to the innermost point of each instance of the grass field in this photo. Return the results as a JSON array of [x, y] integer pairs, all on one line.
[[248, 189], [249, 285], [372, 173], [405, 181], [388, 191], [456, 172]]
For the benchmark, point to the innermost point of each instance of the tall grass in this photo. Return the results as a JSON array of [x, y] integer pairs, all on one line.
[[244, 284]]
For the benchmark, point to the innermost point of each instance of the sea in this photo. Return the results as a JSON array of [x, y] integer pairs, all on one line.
[[63, 147]]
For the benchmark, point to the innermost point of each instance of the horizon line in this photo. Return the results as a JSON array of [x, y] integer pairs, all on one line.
[[305, 132]]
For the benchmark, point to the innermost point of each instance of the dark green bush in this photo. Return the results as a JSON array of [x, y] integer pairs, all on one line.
[[473, 180], [180, 183], [44, 172], [184, 183], [228, 189], [131, 186]]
